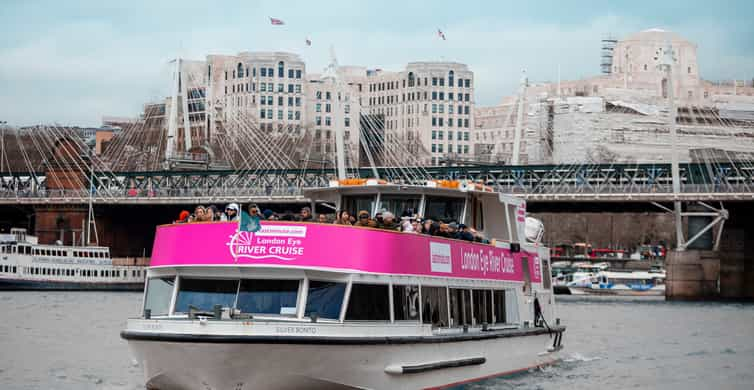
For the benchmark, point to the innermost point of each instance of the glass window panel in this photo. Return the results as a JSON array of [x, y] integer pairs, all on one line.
[[435, 306], [406, 303], [268, 296], [325, 299], [444, 209], [482, 306], [369, 302], [460, 307], [159, 293], [204, 294], [400, 205], [499, 308]]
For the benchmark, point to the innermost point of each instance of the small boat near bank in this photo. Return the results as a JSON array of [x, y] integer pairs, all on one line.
[[305, 305], [27, 265], [633, 283]]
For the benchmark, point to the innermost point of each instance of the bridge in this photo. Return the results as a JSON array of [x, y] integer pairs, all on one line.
[[733, 181]]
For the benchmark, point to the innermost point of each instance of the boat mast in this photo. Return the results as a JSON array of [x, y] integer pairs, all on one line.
[[91, 224], [519, 121]]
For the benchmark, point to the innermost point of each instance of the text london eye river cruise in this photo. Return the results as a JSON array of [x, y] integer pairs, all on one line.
[[299, 305]]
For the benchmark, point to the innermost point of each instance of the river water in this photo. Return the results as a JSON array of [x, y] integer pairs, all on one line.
[[70, 340]]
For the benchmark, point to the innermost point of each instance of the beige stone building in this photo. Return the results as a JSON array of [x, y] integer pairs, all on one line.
[[622, 116]]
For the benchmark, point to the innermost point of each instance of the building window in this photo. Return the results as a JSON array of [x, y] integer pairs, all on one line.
[[434, 108], [269, 102], [439, 148], [290, 101], [240, 70], [298, 115], [467, 84], [466, 123], [261, 114], [318, 121], [298, 88], [327, 121], [347, 122], [434, 95], [450, 78], [434, 134], [327, 107], [262, 71], [281, 69], [465, 149], [298, 102], [434, 148], [280, 114], [434, 81], [440, 135], [327, 95], [280, 100], [291, 73], [318, 107], [281, 87], [442, 81], [290, 88], [298, 73]]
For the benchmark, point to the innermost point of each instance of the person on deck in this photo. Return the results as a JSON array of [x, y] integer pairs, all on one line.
[[364, 220], [306, 215], [322, 218], [388, 221], [344, 218], [231, 213]]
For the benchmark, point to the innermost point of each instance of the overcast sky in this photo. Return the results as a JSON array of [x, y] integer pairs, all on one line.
[[71, 62]]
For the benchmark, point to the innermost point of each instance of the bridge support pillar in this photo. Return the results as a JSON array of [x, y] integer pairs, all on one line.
[[692, 275]]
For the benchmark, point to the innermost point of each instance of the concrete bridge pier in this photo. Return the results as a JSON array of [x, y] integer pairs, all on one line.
[[725, 274]]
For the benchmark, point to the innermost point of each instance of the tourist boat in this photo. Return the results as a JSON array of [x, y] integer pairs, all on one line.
[[623, 283], [300, 305], [27, 265]]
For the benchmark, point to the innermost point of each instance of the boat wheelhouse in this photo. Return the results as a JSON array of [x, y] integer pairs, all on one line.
[[27, 265], [307, 305]]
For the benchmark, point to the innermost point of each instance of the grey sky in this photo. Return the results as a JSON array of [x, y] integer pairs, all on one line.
[[73, 62]]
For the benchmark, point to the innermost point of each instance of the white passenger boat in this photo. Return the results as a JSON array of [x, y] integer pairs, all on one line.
[[635, 283], [27, 265], [318, 306]]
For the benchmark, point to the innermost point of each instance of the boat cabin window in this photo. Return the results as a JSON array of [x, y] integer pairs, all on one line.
[[325, 299], [527, 274], [445, 209], [259, 296], [546, 274], [460, 307], [357, 203], [159, 293], [204, 294], [369, 302], [499, 307], [435, 306], [482, 306], [406, 303], [400, 205]]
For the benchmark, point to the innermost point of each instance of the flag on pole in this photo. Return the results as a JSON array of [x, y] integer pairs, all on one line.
[[308, 41], [441, 34], [276, 22]]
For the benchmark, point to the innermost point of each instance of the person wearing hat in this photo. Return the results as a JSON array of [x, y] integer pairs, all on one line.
[[364, 220], [388, 221], [231, 213], [183, 216], [267, 213]]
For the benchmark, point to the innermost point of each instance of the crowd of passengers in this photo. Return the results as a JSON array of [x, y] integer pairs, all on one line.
[[386, 220]]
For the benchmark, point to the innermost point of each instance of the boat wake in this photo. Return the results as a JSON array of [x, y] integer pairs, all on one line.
[[579, 358]]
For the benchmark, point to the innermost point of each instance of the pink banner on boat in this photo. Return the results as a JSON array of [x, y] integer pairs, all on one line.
[[339, 248]]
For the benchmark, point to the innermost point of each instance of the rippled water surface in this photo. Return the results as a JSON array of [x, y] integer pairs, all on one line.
[[70, 340]]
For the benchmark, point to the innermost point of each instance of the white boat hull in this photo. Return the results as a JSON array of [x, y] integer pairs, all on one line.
[[279, 365]]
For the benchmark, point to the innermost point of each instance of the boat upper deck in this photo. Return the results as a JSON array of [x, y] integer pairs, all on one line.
[[338, 248]]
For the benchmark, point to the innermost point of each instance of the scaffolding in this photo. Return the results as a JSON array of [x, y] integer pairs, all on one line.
[[608, 47]]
